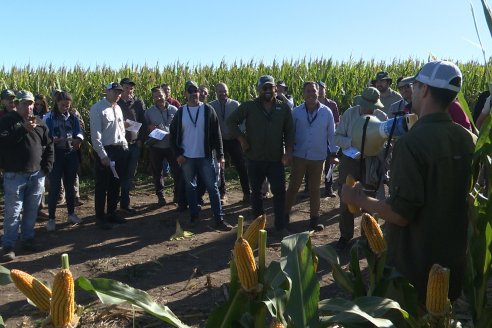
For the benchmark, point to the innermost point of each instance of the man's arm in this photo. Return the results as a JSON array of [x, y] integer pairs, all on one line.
[[341, 137], [356, 196], [96, 128]]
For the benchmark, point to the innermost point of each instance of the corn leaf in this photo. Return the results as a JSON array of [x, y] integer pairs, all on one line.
[[4, 276], [114, 292], [230, 313], [297, 261]]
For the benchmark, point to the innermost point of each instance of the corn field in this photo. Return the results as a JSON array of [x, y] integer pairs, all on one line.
[[344, 80]]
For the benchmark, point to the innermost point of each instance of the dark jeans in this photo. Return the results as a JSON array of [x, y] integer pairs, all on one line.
[[275, 173], [204, 167], [132, 164], [233, 148], [65, 167], [157, 157], [107, 186]]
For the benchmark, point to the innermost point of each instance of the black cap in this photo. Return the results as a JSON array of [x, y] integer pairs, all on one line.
[[321, 84], [382, 76], [127, 80]]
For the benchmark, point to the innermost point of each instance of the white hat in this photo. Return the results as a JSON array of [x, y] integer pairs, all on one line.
[[439, 74]]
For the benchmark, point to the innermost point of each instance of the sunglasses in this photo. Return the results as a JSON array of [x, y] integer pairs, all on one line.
[[192, 90], [405, 87]]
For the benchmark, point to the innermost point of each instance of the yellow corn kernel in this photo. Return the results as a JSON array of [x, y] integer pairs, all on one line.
[[436, 302], [32, 288], [63, 300], [252, 233], [246, 265], [276, 324], [350, 181], [373, 233]]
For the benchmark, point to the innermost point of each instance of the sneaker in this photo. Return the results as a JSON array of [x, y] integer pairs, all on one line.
[[29, 245], [51, 225], [223, 226], [8, 254], [78, 202], [330, 193], [314, 225], [128, 210], [74, 218], [113, 218]]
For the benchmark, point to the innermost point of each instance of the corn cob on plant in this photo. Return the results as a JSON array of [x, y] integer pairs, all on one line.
[[37, 292], [373, 233], [246, 265], [62, 306], [252, 233], [437, 302], [276, 324]]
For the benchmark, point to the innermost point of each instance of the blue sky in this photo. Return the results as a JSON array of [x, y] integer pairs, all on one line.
[[115, 33]]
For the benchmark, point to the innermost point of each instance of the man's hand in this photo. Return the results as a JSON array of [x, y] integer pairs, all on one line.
[[29, 125], [105, 161], [181, 159], [221, 163], [76, 144], [352, 195]]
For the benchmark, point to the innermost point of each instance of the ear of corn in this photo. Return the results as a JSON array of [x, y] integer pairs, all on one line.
[[63, 301], [276, 324], [437, 291], [350, 181], [32, 288], [246, 265], [252, 233], [373, 233]]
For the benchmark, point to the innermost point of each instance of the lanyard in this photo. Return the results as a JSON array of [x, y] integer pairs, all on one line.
[[167, 115], [223, 110], [310, 121], [196, 116]]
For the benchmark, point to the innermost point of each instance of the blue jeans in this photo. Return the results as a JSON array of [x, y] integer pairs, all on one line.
[[126, 182], [65, 167], [275, 173], [23, 193], [205, 168]]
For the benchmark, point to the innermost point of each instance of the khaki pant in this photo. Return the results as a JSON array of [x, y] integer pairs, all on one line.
[[314, 169]]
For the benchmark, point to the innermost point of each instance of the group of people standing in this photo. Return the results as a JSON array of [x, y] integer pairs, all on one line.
[[428, 178]]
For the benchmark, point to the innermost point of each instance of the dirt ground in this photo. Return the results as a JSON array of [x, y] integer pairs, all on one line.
[[139, 253]]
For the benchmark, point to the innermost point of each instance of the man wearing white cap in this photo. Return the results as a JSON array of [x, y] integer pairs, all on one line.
[[426, 213], [27, 157], [109, 143]]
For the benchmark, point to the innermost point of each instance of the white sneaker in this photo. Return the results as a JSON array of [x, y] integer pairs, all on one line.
[[51, 225], [74, 218]]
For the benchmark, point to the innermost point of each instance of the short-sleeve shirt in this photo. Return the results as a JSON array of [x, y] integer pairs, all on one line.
[[429, 182]]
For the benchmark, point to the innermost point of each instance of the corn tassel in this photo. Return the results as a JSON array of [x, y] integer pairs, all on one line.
[[373, 233], [252, 233], [32, 288], [437, 291], [350, 181], [246, 265], [63, 300], [276, 324]]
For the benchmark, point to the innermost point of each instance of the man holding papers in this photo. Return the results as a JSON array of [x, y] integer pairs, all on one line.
[[158, 119], [133, 113]]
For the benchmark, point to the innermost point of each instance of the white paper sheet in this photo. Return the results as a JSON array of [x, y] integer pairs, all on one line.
[[352, 152], [134, 126], [112, 165], [158, 134]]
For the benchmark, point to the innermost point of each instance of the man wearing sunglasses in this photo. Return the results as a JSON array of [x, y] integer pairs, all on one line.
[[195, 135], [405, 104], [267, 144]]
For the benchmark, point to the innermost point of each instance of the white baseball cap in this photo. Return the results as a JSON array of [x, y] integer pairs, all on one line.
[[439, 74]]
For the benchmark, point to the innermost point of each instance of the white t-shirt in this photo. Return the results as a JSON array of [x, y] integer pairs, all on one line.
[[193, 131]]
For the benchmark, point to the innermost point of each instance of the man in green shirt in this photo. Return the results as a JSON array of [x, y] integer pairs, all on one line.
[[267, 145], [426, 212]]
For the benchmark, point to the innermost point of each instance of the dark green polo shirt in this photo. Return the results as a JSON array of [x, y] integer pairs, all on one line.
[[429, 184], [266, 133]]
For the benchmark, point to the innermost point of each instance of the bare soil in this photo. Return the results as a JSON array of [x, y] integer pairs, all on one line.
[[189, 276]]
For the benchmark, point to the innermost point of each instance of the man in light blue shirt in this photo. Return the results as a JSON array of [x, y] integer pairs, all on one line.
[[313, 143]]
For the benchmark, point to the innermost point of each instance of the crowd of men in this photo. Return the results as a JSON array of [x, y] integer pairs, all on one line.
[[428, 179]]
